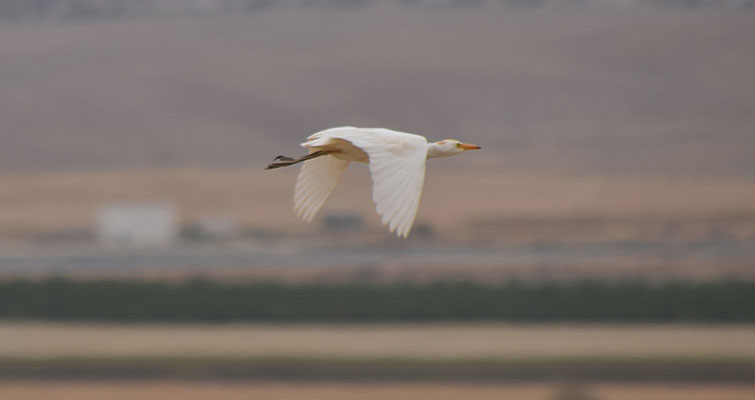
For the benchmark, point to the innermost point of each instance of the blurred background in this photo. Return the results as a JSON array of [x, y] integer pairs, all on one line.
[[600, 246]]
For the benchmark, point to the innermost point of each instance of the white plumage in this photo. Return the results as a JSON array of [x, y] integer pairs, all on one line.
[[397, 166]]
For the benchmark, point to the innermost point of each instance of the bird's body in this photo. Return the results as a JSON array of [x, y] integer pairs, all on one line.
[[396, 161]]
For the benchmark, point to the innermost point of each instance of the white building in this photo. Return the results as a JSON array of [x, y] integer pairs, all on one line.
[[136, 224]]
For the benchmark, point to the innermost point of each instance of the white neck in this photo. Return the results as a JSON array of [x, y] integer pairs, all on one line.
[[434, 151]]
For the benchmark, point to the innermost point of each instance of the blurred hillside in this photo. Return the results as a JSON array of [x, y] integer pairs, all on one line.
[[642, 91], [21, 10]]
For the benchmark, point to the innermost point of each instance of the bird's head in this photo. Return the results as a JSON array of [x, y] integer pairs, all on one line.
[[449, 147]]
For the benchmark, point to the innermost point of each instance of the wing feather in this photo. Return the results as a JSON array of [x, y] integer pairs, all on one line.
[[317, 179], [397, 166]]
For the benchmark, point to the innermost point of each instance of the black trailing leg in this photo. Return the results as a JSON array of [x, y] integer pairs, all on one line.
[[283, 161]]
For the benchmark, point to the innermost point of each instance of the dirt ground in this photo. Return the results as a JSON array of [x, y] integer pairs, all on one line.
[[509, 207], [435, 341], [336, 391]]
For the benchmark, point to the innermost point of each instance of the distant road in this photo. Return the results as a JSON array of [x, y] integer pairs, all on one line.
[[627, 259]]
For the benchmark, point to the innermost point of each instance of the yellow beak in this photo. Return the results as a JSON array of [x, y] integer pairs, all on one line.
[[468, 146]]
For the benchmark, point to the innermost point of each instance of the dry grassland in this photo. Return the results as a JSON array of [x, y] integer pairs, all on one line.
[[348, 391], [491, 206], [437, 341]]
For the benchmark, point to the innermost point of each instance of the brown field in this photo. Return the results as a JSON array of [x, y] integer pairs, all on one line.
[[370, 361], [437, 341], [491, 206], [347, 391]]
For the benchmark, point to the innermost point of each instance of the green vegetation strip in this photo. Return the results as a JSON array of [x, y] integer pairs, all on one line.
[[201, 300], [389, 369]]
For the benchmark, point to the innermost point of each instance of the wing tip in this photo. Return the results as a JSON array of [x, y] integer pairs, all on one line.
[[305, 214], [402, 232]]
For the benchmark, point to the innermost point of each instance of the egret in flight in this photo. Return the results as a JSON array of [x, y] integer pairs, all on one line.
[[397, 167]]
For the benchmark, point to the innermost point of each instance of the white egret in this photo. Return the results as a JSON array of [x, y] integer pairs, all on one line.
[[397, 166]]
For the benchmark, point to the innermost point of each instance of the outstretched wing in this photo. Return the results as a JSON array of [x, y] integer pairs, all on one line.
[[317, 179], [397, 165]]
